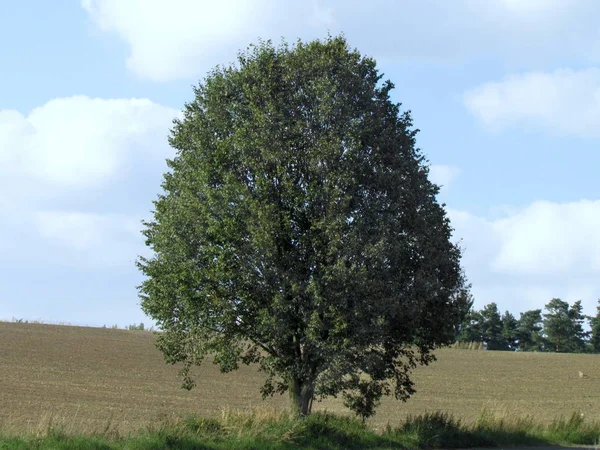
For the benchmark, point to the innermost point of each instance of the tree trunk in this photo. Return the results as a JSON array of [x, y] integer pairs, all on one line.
[[301, 396]]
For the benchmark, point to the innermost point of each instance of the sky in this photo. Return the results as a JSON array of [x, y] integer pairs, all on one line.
[[506, 94]]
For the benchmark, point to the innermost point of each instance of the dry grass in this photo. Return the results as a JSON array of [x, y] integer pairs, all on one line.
[[107, 381]]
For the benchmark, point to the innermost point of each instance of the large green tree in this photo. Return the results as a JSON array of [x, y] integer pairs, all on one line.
[[298, 230]]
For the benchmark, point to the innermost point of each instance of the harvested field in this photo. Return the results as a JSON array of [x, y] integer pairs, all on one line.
[[95, 379]]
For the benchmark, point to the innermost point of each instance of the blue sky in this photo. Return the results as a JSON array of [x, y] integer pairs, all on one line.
[[506, 94]]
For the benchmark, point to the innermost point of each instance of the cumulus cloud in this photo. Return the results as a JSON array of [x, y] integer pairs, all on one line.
[[94, 239], [68, 171], [185, 38], [550, 238], [544, 238], [532, 254], [31, 238], [80, 141], [565, 101], [76, 176], [443, 175]]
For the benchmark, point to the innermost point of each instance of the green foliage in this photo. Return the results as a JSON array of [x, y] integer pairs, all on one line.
[[560, 330], [509, 331], [464, 301], [471, 331], [563, 326], [579, 336], [439, 430], [529, 330], [135, 327], [595, 330], [322, 430], [501, 333], [574, 430], [487, 326], [491, 328], [365, 398], [298, 230]]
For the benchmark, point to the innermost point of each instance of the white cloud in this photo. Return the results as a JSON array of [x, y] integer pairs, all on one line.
[[186, 38], [76, 176], [94, 156], [90, 239], [79, 141], [550, 238], [479, 241], [565, 101], [443, 175], [531, 254], [544, 238]]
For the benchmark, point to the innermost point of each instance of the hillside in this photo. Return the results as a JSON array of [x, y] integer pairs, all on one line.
[[91, 378]]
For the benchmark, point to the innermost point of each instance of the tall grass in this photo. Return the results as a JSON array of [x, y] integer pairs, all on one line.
[[275, 429]]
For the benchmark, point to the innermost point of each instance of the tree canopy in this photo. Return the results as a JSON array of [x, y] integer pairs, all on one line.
[[560, 330], [529, 330], [509, 331], [491, 328], [563, 326], [298, 229]]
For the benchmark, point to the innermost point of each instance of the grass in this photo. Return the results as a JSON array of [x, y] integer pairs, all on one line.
[[272, 429], [110, 382]]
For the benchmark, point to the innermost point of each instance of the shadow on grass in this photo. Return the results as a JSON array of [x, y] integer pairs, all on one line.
[[440, 430], [329, 431]]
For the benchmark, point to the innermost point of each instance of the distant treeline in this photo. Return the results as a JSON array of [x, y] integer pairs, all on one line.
[[560, 328]]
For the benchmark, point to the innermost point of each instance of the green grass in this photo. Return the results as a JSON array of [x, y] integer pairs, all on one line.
[[264, 429]]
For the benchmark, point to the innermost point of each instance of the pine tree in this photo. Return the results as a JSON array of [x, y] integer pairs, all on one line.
[[491, 328], [509, 330], [471, 328], [528, 333], [563, 326]]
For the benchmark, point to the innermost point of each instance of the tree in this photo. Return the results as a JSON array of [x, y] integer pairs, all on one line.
[[563, 326], [529, 329], [557, 324], [595, 330], [579, 337], [491, 327], [509, 330], [298, 230], [470, 330]]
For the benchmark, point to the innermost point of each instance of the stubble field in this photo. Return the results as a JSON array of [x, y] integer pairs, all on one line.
[[98, 380]]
